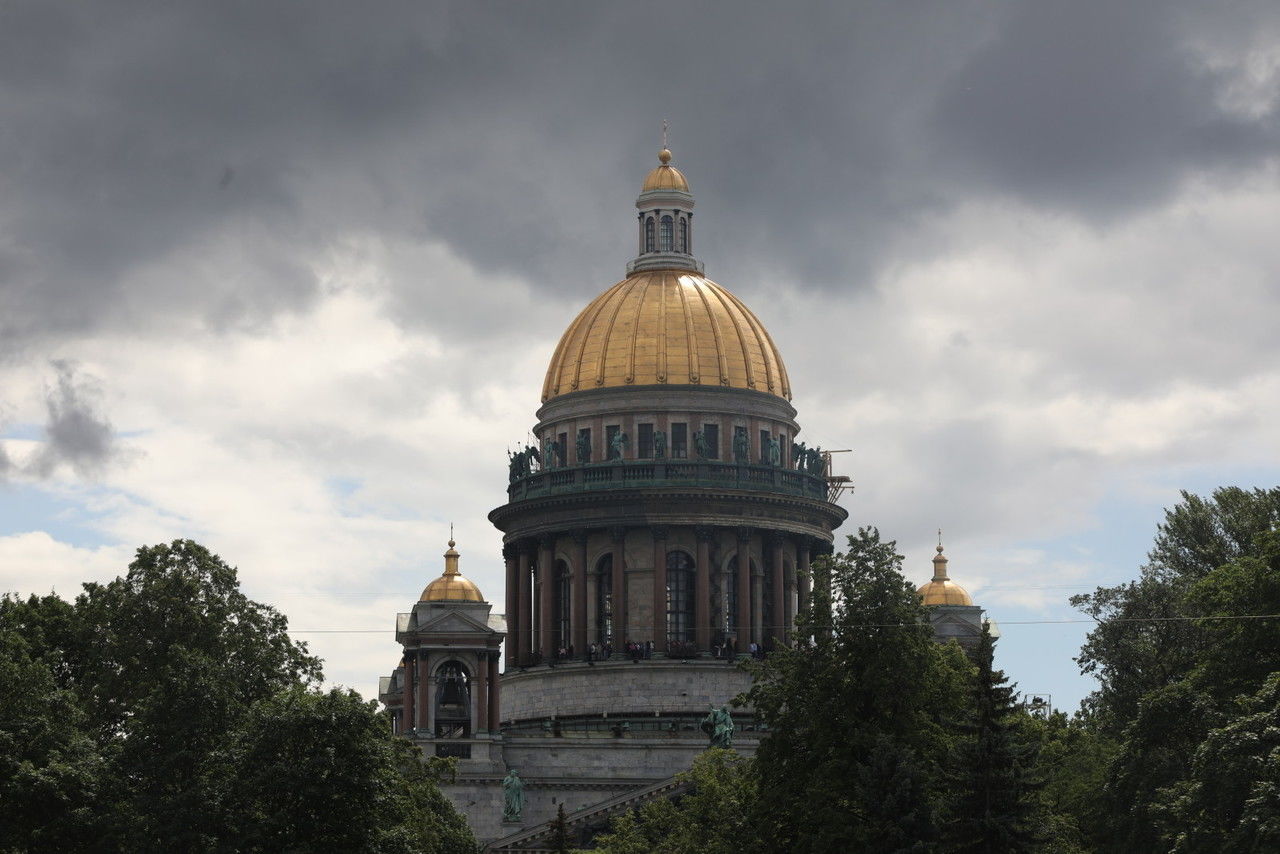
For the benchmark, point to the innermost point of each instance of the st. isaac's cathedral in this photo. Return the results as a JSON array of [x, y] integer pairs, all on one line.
[[661, 528]]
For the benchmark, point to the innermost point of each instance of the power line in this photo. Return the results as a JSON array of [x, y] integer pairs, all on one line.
[[1221, 617]]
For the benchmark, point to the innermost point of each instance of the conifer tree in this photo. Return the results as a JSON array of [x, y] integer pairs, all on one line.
[[996, 808]]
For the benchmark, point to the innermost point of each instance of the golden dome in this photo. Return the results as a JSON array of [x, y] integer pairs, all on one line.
[[666, 327], [666, 176], [451, 587], [941, 590], [944, 592]]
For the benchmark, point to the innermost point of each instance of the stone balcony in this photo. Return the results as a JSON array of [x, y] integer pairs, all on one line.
[[668, 473]]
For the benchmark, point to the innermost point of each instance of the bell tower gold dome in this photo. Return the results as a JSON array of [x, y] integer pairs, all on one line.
[[451, 586], [941, 590], [666, 323]]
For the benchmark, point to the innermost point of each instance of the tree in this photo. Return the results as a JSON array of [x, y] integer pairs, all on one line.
[[165, 711], [993, 768], [171, 657], [1176, 649], [857, 717], [1141, 643], [1074, 757], [310, 771], [1231, 800], [52, 778], [560, 832], [711, 817]]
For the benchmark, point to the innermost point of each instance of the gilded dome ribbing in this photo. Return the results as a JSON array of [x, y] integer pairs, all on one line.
[[666, 327]]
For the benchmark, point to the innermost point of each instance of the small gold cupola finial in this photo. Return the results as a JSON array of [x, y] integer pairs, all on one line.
[[941, 590], [940, 561]]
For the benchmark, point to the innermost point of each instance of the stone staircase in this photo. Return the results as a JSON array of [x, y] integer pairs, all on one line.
[[582, 823]]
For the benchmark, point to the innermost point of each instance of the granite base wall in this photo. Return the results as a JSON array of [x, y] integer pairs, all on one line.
[[576, 772], [620, 688]]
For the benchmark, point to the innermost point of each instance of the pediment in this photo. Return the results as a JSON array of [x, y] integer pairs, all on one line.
[[453, 622]]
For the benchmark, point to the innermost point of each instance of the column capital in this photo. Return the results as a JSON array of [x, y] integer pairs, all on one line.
[[618, 533], [743, 533], [547, 541], [580, 536], [774, 538], [705, 533], [659, 532]]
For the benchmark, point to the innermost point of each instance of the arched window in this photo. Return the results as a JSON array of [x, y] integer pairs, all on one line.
[[563, 584], [680, 597], [604, 599], [453, 701], [648, 235], [684, 235], [664, 234]]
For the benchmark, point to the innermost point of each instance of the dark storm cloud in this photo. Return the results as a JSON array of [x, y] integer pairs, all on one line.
[[1099, 112], [76, 433], [192, 160]]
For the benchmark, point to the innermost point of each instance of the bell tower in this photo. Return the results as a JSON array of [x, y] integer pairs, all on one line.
[[445, 693]]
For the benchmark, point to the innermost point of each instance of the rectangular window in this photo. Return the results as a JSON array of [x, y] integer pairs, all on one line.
[[611, 449], [644, 441], [711, 432], [764, 446], [679, 441], [583, 450], [563, 450]]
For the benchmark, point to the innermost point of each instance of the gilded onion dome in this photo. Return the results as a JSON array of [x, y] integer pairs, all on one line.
[[451, 587], [666, 326], [941, 590], [665, 176]]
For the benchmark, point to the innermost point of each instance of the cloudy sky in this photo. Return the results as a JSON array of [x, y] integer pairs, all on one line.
[[284, 279]]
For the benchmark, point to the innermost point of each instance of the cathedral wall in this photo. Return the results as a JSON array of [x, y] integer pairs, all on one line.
[[620, 687], [575, 772]]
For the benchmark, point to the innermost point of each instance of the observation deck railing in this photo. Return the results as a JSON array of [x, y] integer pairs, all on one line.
[[639, 474]]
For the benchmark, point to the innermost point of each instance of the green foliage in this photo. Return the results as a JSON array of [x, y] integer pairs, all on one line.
[[710, 818], [165, 711], [51, 774], [857, 718], [1231, 800], [309, 771], [1132, 655], [1168, 687], [1074, 757], [560, 832], [996, 807]]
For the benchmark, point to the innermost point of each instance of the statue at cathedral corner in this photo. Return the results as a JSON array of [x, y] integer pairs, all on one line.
[[718, 725], [512, 797]]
